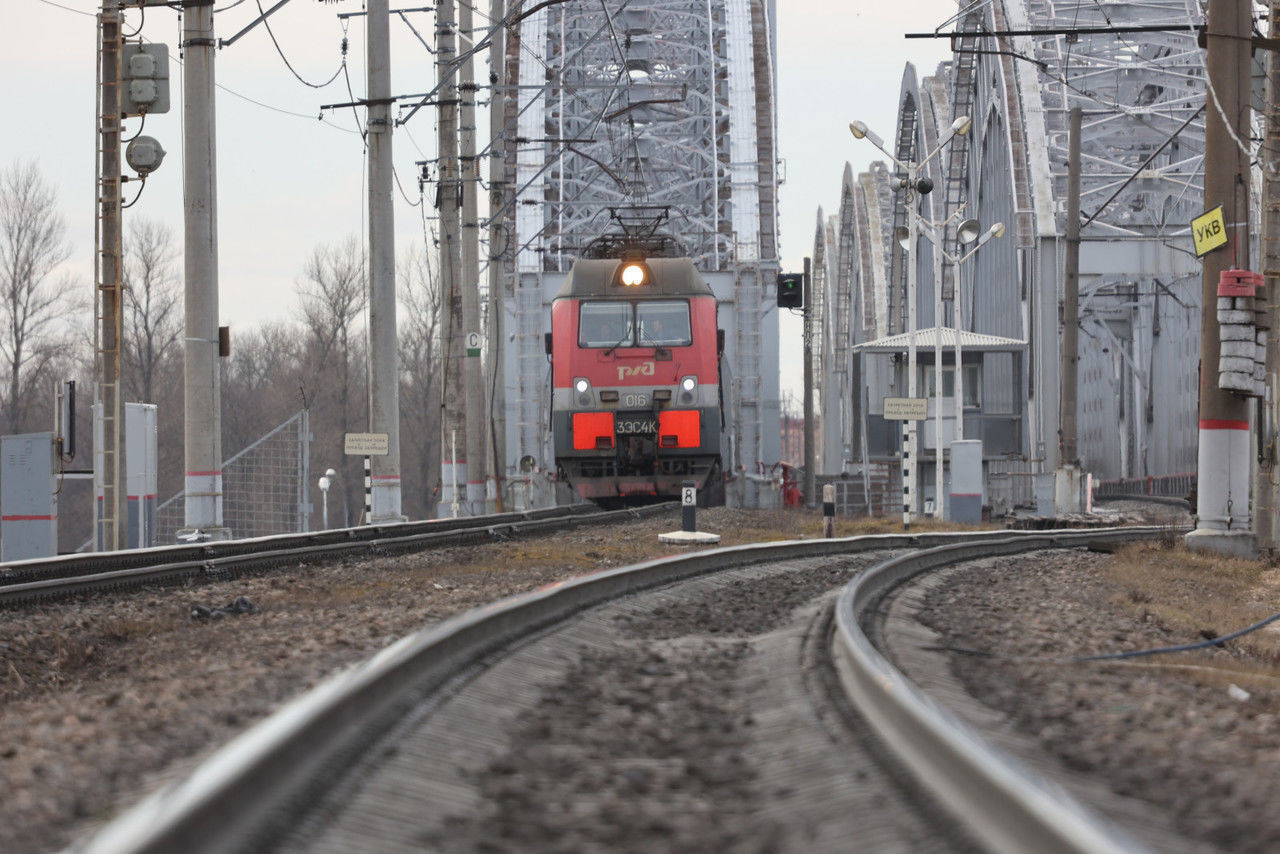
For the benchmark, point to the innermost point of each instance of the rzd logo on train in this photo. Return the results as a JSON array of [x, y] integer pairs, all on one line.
[[645, 369]]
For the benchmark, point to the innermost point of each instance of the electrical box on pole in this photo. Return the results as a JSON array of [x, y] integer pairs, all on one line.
[[144, 70]]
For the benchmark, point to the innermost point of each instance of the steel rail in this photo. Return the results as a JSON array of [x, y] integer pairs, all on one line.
[[53, 578], [83, 564], [1008, 808], [239, 800]]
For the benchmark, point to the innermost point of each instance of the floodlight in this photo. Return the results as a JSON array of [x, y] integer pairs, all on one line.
[[961, 125], [902, 234], [968, 231], [861, 131]]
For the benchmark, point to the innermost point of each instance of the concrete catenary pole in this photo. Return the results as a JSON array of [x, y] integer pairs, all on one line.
[[810, 463], [497, 249], [111, 514], [939, 466], [1069, 453], [1265, 497], [1067, 479], [910, 502], [453, 467], [472, 369], [1222, 484], [384, 365], [203, 405]]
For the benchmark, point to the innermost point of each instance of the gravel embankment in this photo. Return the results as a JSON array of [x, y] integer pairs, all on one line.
[[1169, 733]]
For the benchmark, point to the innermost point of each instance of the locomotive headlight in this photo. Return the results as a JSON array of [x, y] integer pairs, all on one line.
[[687, 385], [632, 275], [582, 386]]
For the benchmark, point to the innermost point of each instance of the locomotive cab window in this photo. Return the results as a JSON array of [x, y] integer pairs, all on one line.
[[605, 324], [664, 323], [648, 323]]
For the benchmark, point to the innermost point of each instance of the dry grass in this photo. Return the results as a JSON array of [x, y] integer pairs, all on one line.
[[1204, 596]]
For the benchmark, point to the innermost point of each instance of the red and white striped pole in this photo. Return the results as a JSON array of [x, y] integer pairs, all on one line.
[[1223, 522]]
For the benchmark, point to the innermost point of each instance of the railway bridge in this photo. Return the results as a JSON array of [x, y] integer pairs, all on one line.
[[670, 103], [1142, 97]]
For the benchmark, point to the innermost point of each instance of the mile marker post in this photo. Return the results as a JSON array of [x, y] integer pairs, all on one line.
[[829, 510], [689, 528], [688, 506]]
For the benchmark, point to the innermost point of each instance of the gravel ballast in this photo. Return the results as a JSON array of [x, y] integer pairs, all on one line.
[[104, 699], [1173, 733]]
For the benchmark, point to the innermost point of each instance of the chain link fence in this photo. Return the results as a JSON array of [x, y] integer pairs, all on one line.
[[264, 487]]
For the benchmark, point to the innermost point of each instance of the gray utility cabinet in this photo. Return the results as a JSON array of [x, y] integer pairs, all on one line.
[[28, 497]]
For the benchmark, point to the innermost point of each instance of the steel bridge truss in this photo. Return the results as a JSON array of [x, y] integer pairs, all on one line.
[[663, 104], [1142, 174], [634, 113]]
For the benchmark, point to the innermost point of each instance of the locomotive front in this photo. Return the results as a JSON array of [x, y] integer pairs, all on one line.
[[635, 356]]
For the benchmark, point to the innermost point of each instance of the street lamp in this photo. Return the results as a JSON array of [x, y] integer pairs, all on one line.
[[996, 230], [325, 482], [966, 233], [912, 184]]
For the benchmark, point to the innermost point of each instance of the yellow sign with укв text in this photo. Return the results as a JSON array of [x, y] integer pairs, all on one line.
[[1209, 231]]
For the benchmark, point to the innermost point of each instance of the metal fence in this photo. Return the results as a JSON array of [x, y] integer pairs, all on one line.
[[264, 486], [876, 491], [1164, 486], [1011, 484]]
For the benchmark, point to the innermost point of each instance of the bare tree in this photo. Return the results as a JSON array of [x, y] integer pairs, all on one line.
[[153, 310], [333, 296], [419, 384], [32, 246]]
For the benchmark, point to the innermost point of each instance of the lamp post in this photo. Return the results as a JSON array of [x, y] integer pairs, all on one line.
[[966, 233], [912, 184], [325, 482], [996, 230]]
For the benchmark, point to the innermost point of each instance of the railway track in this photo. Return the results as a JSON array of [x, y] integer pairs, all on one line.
[[54, 578], [255, 792]]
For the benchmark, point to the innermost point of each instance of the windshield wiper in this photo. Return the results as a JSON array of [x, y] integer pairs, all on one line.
[[625, 339]]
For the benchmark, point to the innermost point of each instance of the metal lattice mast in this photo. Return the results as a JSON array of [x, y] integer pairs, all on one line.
[[108, 302]]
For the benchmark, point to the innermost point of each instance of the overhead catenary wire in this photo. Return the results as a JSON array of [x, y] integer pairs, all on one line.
[[177, 60], [267, 23]]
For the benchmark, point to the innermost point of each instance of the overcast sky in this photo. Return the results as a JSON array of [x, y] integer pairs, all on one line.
[[289, 181]]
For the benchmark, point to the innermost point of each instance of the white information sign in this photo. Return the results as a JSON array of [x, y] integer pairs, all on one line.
[[906, 408], [688, 496], [366, 444]]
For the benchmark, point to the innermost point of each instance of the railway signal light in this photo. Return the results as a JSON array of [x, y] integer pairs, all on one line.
[[791, 290]]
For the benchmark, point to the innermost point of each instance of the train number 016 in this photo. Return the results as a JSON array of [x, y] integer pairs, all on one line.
[[634, 400]]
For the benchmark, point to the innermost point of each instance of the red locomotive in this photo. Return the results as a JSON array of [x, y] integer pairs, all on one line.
[[636, 405]]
